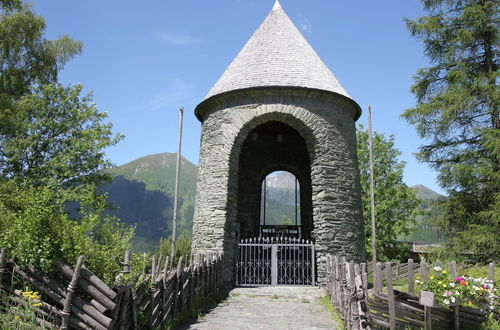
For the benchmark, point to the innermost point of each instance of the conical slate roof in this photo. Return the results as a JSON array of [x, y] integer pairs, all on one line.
[[277, 54]]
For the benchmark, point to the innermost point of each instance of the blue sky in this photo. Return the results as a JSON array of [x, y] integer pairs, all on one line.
[[145, 59]]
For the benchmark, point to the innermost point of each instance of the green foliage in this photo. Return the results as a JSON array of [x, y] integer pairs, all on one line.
[[37, 228], [458, 115], [59, 140], [464, 290], [27, 59], [22, 315], [426, 227], [395, 203], [182, 247], [52, 144]]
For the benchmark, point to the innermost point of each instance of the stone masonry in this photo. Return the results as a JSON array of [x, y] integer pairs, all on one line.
[[318, 117]]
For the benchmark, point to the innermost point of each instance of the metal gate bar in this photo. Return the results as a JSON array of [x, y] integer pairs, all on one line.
[[272, 261]]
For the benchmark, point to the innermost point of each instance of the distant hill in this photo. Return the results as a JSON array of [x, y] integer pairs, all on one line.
[[426, 227], [426, 193], [143, 193]]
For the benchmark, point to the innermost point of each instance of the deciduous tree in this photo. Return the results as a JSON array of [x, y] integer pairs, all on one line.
[[52, 143], [395, 203]]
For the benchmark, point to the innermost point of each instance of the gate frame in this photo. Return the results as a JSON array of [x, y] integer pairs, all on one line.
[[252, 246]]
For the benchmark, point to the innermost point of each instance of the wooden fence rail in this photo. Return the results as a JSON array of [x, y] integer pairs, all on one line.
[[384, 307], [155, 299]]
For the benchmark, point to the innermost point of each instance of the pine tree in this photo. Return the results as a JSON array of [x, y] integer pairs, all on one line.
[[457, 114]]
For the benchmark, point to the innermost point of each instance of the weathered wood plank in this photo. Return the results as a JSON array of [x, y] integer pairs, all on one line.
[[85, 285], [390, 296]]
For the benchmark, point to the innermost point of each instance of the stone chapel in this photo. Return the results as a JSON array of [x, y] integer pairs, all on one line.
[[278, 107]]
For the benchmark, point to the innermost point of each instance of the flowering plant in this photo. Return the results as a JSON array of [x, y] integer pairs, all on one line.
[[464, 290]]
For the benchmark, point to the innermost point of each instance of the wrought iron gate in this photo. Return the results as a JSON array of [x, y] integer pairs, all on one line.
[[273, 261]]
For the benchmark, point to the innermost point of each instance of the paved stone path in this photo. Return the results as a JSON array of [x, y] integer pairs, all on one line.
[[268, 308]]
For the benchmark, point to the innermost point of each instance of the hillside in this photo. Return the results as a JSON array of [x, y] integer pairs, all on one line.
[[143, 193], [426, 229]]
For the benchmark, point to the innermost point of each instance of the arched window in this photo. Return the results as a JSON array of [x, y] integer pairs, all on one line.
[[280, 205]]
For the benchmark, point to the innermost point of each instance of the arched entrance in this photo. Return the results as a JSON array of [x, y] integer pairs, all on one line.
[[274, 208], [273, 146]]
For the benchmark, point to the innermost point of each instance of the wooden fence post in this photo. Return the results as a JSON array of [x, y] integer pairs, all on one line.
[[352, 306], [378, 277], [423, 270], [70, 293], [178, 291], [337, 282], [411, 277], [342, 286], [126, 262], [152, 291], [427, 310], [364, 277], [390, 296]]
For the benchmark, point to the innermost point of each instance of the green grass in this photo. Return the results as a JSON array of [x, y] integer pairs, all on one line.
[[200, 307], [326, 302], [479, 271]]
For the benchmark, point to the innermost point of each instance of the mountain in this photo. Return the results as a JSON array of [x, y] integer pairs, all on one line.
[[281, 199], [426, 193], [426, 228], [142, 193]]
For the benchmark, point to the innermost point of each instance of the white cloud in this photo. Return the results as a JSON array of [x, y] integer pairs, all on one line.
[[179, 39], [176, 93], [304, 24]]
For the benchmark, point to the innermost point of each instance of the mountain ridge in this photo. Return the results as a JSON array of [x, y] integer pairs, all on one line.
[[143, 192]]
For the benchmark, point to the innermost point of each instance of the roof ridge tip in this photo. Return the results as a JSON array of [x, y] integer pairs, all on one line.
[[277, 5]]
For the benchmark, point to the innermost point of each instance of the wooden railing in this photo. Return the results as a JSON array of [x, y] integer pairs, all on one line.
[[387, 308], [88, 303]]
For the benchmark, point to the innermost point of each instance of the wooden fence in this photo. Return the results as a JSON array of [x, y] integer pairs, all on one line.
[[347, 286], [88, 303], [384, 307]]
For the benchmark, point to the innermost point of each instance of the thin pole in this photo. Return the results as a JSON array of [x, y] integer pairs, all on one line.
[[265, 196], [372, 190], [176, 193], [296, 202]]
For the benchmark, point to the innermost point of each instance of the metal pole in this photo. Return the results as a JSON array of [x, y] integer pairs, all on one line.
[[372, 190], [265, 201], [176, 193], [296, 202]]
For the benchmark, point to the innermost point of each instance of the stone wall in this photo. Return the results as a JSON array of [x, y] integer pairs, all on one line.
[[325, 121]]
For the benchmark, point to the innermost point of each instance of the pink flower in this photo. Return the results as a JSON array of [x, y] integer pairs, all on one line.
[[448, 293], [459, 279]]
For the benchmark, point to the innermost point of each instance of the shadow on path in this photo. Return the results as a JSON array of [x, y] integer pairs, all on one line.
[[268, 308]]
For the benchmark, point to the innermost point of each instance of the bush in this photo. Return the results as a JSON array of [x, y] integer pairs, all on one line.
[[39, 225]]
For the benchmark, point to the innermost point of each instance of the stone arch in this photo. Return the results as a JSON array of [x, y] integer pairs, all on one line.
[[261, 153], [301, 121]]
